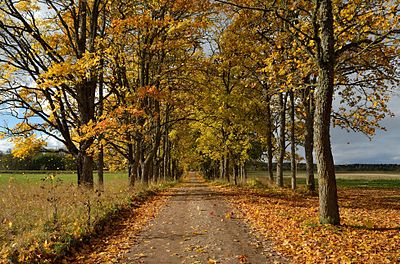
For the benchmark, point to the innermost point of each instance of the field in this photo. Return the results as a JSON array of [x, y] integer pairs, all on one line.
[[378, 179], [43, 215], [38, 176]]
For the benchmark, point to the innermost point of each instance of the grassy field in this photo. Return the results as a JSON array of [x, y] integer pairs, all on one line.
[[37, 177], [344, 179], [42, 215]]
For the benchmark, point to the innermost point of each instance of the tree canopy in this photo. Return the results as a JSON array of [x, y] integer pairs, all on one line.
[[156, 87]]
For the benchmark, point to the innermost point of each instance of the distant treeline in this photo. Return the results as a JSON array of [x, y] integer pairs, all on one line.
[[41, 161], [258, 165]]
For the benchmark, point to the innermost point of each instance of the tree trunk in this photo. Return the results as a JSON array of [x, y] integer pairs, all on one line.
[[132, 164], [216, 169], [132, 172], [269, 140], [292, 141], [147, 171], [328, 204], [85, 170], [166, 148], [165, 156], [236, 173], [151, 171], [174, 170], [282, 141], [226, 171], [242, 174], [222, 168], [308, 102], [100, 169]]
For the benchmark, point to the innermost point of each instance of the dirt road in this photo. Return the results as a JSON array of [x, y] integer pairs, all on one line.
[[197, 226]]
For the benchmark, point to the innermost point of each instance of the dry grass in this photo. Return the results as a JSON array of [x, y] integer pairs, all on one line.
[[41, 220]]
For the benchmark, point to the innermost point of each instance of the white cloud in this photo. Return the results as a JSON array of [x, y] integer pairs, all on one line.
[[5, 145], [52, 143]]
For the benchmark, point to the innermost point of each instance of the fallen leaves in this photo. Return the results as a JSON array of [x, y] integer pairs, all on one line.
[[369, 232], [212, 261], [242, 259]]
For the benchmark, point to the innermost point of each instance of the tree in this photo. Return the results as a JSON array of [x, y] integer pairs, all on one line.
[[308, 106], [311, 26], [50, 70], [152, 51], [282, 138], [328, 205]]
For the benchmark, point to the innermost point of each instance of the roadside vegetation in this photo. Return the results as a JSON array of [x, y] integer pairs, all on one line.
[[45, 216]]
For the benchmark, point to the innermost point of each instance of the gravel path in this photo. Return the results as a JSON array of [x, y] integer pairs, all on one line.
[[197, 226]]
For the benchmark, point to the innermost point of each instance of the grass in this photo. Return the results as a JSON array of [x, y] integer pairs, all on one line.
[[35, 177], [343, 180], [43, 216]]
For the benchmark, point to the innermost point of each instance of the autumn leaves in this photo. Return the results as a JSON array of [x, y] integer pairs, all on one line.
[[156, 87]]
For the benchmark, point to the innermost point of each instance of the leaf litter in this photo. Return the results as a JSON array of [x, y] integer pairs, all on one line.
[[370, 230]]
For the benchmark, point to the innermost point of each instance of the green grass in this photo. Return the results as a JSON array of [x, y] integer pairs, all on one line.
[[383, 183], [36, 177], [343, 180]]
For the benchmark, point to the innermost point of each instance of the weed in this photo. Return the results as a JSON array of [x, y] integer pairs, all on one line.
[[44, 219]]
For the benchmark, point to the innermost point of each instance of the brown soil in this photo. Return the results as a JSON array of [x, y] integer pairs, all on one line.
[[196, 225]]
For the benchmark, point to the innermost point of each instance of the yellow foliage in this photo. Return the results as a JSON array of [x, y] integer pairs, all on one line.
[[25, 146], [27, 5]]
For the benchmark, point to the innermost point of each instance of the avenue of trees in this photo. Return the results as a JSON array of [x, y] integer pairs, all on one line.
[[156, 87]]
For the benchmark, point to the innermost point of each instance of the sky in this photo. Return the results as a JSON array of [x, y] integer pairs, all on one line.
[[348, 148], [353, 147]]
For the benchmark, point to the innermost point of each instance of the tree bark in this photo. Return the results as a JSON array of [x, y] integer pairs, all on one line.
[[222, 168], [174, 170], [148, 162], [328, 204], [269, 140], [85, 170], [132, 171], [292, 141], [226, 171], [282, 141], [133, 162], [308, 102], [236, 173], [100, 169]]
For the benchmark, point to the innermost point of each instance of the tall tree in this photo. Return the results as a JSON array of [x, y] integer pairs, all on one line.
[[325, 32], [328, 205], [49, 57]]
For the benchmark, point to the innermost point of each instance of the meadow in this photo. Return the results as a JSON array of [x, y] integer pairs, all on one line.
[[45, 215], [359, 179]]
